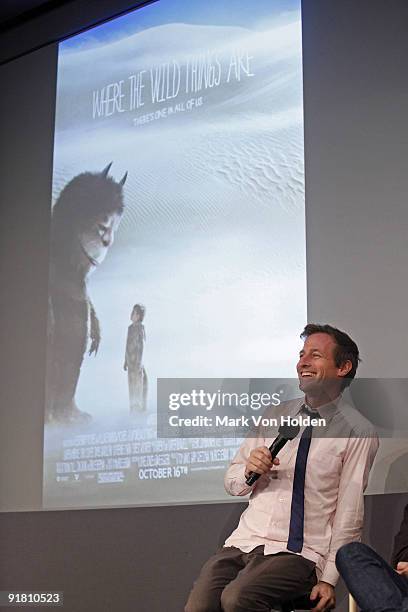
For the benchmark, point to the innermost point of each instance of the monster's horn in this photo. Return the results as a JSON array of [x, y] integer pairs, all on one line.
[[123, 179], [105, 171]]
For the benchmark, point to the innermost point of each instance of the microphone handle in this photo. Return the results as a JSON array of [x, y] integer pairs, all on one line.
[[274, 449]]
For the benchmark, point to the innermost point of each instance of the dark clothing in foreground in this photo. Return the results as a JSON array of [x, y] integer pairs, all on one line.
[[400, 552], [374, 584]]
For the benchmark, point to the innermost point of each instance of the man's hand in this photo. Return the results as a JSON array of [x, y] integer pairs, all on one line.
[[324, 593], [402, 568], [260, 461]]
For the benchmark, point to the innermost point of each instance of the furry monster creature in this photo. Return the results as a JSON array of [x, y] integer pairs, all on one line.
[[84, 220]]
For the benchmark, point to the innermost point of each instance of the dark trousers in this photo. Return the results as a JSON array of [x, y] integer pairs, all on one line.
[[375, 586], [234, 581]]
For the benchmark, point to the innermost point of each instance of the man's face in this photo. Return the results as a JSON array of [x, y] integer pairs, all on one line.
[[316, 368]]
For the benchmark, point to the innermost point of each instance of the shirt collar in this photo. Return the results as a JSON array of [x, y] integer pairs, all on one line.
[[326, 411]]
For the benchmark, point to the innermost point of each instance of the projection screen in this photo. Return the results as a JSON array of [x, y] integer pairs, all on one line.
[[177, 241]]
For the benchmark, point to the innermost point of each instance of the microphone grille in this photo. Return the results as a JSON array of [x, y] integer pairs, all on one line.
[[289, 431]]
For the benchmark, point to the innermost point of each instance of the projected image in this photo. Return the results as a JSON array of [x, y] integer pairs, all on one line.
[[178, 238]]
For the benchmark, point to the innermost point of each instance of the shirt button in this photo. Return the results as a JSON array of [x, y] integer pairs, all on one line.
[[281, 499]]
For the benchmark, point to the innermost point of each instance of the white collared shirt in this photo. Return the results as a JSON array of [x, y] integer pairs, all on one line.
[[336, 476]]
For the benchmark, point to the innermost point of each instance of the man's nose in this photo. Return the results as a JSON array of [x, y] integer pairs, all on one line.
[[303, 361]]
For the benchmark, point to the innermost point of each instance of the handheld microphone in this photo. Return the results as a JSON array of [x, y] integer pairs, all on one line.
[[286, 433]]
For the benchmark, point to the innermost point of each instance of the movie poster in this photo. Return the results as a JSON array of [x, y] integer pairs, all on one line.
[[177, 242]]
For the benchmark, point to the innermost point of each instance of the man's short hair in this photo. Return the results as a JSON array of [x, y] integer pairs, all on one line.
[[346, 349]]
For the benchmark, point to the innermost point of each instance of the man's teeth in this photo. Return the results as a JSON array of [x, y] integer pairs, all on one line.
[[305, 374]]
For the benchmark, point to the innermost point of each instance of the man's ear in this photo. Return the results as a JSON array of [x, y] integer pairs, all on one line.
[[345, 368]]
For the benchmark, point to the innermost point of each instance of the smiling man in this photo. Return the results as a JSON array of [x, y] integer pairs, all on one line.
[[306, 504]]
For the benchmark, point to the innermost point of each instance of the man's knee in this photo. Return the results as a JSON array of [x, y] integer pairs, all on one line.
[[348, 554], [229, 600], [196, 606], [235, 598], [201, 599]]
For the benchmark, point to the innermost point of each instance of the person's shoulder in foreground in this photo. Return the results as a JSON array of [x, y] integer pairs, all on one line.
[[376, 585]]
